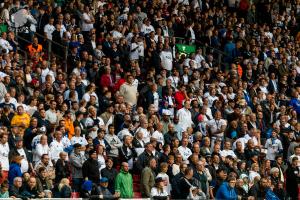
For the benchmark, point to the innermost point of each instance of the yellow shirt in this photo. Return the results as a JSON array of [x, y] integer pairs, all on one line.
[[21, 120]]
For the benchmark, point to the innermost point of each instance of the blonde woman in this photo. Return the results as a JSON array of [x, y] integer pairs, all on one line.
[[64, 188]]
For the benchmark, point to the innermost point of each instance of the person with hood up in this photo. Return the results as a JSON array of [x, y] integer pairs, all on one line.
[[124, 182], [226, 190]]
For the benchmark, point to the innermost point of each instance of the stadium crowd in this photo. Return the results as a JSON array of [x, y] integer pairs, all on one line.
[[126, 113]]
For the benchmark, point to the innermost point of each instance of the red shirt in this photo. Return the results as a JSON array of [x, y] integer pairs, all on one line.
[[106, 80], [179, 98]]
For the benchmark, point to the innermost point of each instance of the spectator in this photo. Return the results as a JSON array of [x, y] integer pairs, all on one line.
[[114, 142], [76, 162], [148, 178], [26, 162], [15, 190], [46, 163], [62, 167], [4, 152], [124, 183], [14, 169], [159, 191], [41, 149], [91, 165], [43, 183], [226, 190], [64, 188], [110, 173], [291, 173], [4, 190], [103, 192], [58, 145], [31, 189]]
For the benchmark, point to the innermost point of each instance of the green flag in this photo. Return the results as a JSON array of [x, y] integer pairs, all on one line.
[[185, 49]]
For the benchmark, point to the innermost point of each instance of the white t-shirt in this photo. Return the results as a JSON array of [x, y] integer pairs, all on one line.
[[211, 100], [141, 49], [39, 151], [146, 134], [4, 151], [57, 147], [273, 148], [159, 137], [134, 55], [185, 118], [90, 123], [49, 29], [215, 125], [80, 140], [24, 161], [156, 100], [86, 26], [165, 177], [185, 152], [166, 60], [224, 153], [147, 29]]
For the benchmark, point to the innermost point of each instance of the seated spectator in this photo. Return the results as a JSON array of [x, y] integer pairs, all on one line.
[[103, 192], [64, 189], [4, 190], [15, 190], [159, 191], [226, 190], [31, 190], [43, 183]]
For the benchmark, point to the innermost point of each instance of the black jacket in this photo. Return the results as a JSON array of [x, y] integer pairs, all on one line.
[[126, 155], [62, 170], [137, 144], [90, 169], [175, 185], [16, 192], [111, 174]]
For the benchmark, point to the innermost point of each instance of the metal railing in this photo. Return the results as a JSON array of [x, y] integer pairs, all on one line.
[[219, 54], [49, 44]]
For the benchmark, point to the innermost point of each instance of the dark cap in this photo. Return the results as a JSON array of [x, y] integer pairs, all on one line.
[[92, 151], [158, 180], [103, 180]]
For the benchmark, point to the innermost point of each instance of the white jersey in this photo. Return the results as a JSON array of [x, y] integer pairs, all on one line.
[[166, 60], [4, 151], [185, 152]]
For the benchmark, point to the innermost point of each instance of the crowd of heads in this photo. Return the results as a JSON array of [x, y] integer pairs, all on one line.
[[202, 96]]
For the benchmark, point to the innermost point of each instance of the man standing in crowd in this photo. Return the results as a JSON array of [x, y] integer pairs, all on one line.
[[90, 168], [124, 184], [148, 178], [77, 160]]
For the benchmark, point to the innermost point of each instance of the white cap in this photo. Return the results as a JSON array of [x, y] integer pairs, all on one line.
[[166, 112]]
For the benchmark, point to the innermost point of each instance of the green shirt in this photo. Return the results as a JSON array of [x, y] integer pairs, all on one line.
[[3, 28]]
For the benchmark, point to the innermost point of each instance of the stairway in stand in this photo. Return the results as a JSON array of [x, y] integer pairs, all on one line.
[[136, 186]]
